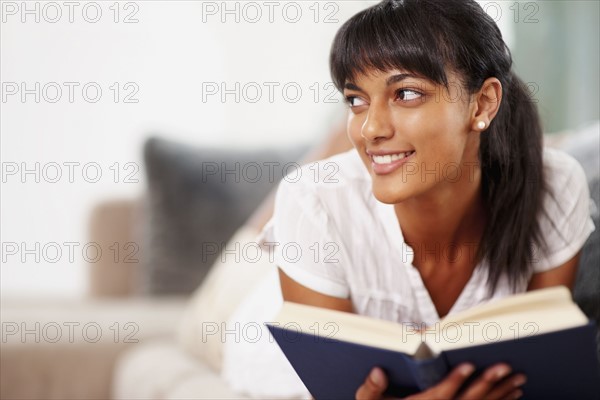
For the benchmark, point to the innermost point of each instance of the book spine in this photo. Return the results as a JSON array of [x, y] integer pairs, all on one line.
[[430, 372]]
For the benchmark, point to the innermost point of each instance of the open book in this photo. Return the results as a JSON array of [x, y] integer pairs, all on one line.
[[540, 333]]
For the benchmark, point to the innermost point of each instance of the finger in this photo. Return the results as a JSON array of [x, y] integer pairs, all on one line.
[[374, 386], [515, 394], [447, 388], [507, 387], [484, 384]]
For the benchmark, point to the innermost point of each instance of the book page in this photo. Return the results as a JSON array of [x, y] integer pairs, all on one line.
[[515, 317], [348, 327], [558, 294]]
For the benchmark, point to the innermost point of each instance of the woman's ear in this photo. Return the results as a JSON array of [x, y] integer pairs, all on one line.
[[487, 102]]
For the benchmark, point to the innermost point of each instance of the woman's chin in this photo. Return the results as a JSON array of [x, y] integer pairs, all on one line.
[[389, 196]]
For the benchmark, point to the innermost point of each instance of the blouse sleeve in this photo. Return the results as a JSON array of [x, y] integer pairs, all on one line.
[[565, 221], [302, 240]]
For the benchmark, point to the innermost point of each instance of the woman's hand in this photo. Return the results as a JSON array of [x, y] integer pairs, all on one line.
[[494, 383]]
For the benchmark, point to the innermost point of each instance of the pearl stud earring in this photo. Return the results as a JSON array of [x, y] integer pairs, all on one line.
[[481, 125]]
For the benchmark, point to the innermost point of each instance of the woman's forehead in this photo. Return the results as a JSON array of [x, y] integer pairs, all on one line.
[[393, 75]]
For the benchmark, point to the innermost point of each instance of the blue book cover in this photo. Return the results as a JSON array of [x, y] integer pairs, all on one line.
[[334, 369], [558, 364]]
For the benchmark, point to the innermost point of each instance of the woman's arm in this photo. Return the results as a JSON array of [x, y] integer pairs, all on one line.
[[494, 383], [293, 291], [562, 275]]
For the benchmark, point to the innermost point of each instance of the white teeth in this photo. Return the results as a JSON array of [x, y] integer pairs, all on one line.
[[389, 158]]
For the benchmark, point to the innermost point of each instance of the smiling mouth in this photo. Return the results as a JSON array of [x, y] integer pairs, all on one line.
[[390, 158]]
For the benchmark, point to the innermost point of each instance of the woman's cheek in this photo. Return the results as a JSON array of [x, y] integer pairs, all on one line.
[[416, 124], [354, 130]]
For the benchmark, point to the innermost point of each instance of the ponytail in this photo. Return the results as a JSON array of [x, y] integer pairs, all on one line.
[[513, 183]]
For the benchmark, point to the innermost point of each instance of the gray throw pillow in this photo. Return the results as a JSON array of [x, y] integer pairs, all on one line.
[[587, 285], [584, 146], [196, 200]]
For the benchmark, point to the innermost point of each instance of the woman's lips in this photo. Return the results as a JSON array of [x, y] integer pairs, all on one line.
[[388, 168]]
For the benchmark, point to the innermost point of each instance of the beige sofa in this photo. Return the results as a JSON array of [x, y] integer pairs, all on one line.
[[113, 343], [131, 337]]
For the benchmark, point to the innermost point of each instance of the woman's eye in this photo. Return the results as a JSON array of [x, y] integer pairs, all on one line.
[[355, 101], [407, 94]]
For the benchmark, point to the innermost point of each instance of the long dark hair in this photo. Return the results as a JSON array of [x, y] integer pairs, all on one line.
[[424, 37]]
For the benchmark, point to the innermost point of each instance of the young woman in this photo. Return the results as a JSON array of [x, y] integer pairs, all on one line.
[[447, 200]]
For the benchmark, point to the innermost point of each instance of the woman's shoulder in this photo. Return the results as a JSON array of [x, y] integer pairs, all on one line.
[[565, 219], [343, 168], [565, 178], [561, 164], [339, 173], [328, 192]]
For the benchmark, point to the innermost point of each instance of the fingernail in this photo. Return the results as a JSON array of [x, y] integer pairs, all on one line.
[[501, 372], [466, 370], [376, 378], [517, 394], [520, 380]]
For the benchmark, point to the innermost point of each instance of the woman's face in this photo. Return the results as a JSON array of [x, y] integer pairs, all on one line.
[[414, 136]]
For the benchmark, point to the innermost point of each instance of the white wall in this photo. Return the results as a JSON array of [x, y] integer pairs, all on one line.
[[173, 49], [169, 56]]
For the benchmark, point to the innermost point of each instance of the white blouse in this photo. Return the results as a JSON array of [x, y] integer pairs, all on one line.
[[330, 234]]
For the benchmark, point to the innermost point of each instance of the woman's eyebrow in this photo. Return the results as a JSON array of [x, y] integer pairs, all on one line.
[[352, 86], [398, 78], [389, 81]]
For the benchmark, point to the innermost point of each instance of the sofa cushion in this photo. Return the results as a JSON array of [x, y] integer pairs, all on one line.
[[584, 145], [197, 198], [254, 365], [203, 330], [161, 370], [62, 349], [587, 284]]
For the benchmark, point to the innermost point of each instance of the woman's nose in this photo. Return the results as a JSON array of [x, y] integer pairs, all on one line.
[[378, 124]]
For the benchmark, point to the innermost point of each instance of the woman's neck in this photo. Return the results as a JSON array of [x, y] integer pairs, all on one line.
[[452, 216]]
